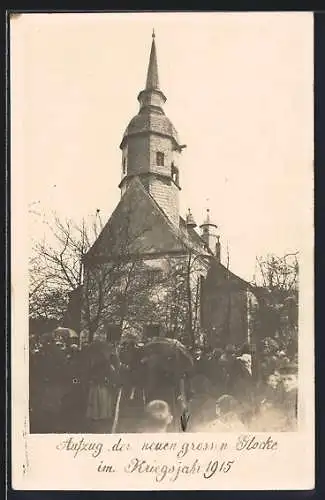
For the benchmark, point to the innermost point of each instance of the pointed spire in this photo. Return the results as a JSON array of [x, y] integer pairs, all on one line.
[[152, 75], [152, 98]]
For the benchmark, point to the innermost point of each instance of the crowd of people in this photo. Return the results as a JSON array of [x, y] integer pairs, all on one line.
[[230, 389]]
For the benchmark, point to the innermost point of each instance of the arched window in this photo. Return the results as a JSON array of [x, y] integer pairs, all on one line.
[[124, 165]]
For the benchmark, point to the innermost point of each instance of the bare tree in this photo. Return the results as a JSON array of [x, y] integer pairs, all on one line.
[[116, 290], [116, 284], [55, 266], [277, 279], [278, 273], [179, 307]]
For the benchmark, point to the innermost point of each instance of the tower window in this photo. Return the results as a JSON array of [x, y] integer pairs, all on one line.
[[124, 165], [160, 157]]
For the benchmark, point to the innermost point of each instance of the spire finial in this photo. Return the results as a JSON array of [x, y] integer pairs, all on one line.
[[152, 75], [153, 33]]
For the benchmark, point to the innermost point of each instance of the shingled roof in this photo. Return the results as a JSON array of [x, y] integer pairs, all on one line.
[[220, 275], [139, 226]]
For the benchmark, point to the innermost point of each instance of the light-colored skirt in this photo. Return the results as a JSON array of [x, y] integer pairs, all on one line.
[[99, 405]]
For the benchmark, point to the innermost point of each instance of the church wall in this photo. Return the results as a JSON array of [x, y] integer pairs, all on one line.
[[225, 316], [238, 318], [163, 190], [163, 145], [156, 296]]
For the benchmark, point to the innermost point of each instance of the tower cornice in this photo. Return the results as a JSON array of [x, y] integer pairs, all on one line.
[[177, 147], [152, 173], [145, 92]]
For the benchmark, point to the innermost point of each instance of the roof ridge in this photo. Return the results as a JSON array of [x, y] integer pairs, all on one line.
[[233, 274], [113, 214]]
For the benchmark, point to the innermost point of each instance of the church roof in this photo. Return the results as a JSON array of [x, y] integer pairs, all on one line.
[[151, 122], [138, 226], [195, 238], [219, 275]]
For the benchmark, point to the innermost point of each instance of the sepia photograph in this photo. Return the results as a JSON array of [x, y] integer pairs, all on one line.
[[138, 321], [163, 171]]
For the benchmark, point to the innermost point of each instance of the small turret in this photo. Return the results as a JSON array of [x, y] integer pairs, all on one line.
[[190, 222], [210, 234]]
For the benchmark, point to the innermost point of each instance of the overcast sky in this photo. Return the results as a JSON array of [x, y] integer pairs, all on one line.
[[239, 91]]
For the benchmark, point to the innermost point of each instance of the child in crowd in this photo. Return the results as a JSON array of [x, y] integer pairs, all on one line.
[[227, 411], [272, 392], [157, 417], [289, 377]]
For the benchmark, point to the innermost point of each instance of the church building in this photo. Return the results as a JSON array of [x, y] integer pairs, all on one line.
[[152, 272]]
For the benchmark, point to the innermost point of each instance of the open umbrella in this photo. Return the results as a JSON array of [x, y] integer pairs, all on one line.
[[100, 352], [131, 353], [170, 354], [65, 332], [169, 362]]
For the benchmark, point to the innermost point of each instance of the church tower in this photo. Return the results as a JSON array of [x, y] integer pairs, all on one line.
[[151, 148]]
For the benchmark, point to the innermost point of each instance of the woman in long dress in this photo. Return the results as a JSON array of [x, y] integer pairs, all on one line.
[[101, 397]]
